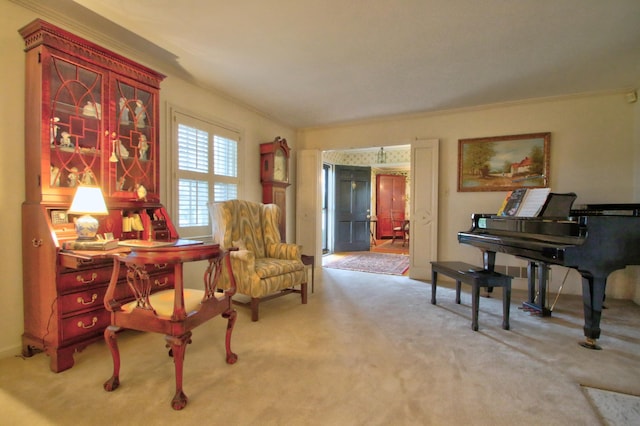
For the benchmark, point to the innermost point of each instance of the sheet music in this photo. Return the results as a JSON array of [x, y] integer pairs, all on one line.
[[533, 202]]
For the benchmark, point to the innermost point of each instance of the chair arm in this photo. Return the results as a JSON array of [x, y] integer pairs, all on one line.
[[245, 257], [284, 251]]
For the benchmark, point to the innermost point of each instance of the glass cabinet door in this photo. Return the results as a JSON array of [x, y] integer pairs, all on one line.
[[133, 152], [72, 111]]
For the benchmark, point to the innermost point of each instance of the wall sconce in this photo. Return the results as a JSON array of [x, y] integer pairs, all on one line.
[[382, 156], [87, 201]]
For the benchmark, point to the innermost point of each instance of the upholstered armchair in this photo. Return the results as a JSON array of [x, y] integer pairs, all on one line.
[[263, 266]]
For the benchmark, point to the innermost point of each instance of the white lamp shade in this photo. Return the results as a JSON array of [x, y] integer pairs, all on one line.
[[88, 200]]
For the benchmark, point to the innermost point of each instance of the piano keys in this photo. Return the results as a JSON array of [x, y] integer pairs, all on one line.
[[596, 241]]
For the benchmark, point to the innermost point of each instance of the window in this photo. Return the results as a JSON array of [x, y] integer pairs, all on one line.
[[206, 169]]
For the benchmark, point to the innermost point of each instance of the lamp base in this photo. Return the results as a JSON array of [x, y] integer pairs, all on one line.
[[86, 227]]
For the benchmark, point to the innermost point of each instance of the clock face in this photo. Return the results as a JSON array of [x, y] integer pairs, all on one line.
[[280, 166]]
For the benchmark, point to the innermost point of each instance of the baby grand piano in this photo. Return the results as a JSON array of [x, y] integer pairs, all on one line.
[[596, 241]]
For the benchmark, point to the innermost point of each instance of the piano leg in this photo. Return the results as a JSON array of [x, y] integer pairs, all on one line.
[[593, 289], [489, 264], [539, 307], [489, 260]]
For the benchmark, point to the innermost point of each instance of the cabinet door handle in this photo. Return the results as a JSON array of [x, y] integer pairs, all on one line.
[[160, 283], [81, 300], [37, 242], [81, 279], [94, 321]]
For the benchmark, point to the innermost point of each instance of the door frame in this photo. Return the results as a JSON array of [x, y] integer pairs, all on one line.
[[423, 230]]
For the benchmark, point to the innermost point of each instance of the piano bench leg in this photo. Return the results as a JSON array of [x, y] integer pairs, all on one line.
[[506, 305], [434, 279], [475, 303]]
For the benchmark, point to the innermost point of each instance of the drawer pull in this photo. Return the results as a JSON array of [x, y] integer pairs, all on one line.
[[94, 321], [81, 279], [159, 283], [81, 300], [161, 265]]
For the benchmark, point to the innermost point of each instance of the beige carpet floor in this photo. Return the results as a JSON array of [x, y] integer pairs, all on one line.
[[366, 350]]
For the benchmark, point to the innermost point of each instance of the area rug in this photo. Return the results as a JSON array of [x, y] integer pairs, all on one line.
[[614, 407], [377, 263]]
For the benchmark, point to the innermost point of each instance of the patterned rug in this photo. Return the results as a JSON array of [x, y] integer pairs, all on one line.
[[377, 263]]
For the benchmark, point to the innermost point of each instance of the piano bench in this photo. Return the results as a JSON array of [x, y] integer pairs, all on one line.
[[476, 277]]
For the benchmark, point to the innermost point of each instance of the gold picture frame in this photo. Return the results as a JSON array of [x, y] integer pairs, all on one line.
[[504, 163]]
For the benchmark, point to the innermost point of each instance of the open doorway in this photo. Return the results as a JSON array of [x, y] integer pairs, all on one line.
[[392, 162], [423, 201]]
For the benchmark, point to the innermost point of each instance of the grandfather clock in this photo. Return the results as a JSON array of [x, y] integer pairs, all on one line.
[[274, 175]]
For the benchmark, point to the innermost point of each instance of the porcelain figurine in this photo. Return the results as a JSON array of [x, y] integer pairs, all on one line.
[[141, 115], [123, 152], [54, 180], [88, 177], [143, 148], [142, 192], [92, 109], [124, 111], [65, 141], [55, 130], [72, 178]]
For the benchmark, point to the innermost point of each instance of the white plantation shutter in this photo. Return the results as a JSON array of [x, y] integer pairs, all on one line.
[[193, 149], [225, 168], [206, 170], [225, 156], [193, 196]]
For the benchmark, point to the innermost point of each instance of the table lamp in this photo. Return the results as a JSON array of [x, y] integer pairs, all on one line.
[[87, 201]]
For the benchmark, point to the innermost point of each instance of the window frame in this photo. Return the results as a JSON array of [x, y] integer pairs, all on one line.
[[179, 116]]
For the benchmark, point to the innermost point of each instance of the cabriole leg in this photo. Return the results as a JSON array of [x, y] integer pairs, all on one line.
[[178, 347], [231, 315], [110, 337]]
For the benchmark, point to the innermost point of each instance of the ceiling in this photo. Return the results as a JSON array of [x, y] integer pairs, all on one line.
[[311, 63]]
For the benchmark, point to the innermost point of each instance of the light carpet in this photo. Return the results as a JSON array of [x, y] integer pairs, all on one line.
[[365, 350], [376, 263]]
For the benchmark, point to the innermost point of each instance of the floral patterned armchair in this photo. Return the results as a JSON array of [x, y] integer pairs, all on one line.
[[263, 266]]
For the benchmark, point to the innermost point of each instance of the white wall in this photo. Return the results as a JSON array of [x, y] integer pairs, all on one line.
[[254, 127], [593, 153]]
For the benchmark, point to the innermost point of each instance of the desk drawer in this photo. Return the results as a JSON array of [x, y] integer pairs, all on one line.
[[82, 279], [83, 300], [162, 281], [86, 324]]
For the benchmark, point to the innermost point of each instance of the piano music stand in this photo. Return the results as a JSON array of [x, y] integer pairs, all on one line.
[[558, 205]]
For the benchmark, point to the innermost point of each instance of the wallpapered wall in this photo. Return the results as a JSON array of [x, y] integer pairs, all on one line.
[[358, 157]]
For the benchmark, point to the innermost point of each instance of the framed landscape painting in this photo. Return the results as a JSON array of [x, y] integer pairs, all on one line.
[[504, 163]]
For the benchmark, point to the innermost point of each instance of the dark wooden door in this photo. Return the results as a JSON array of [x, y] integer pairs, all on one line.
[[353, 205], [390, 196]]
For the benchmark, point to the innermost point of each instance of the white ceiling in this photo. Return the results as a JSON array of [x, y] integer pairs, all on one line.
[[317, 62]]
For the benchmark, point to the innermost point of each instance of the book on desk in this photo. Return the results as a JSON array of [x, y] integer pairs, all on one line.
[[92, 245]]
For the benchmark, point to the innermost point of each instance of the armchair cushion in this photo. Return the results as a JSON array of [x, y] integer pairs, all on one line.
[[271, 267]]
